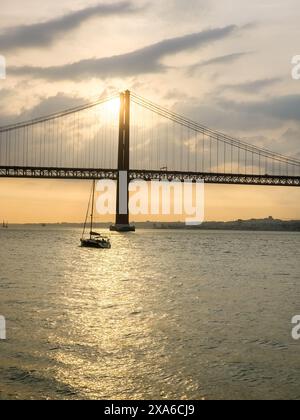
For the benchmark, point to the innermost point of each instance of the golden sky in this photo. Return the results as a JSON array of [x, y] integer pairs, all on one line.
[[52, 201]]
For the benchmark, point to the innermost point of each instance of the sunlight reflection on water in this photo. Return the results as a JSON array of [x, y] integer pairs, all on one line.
[[160, 315]]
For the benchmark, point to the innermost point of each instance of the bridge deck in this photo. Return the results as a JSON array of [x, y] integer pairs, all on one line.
[[112, 174]]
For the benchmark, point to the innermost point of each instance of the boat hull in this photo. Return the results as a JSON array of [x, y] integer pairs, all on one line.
[[87, 243]]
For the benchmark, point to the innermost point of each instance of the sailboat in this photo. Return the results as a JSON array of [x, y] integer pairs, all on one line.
[[4, 225], [95, 240]]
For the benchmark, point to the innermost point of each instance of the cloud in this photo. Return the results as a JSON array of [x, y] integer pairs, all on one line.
[[142, 61], [217, 61], [286, 108], [242, 118], [285, 142], [186, 12], [225, 59], [291, 139], [259, 128], [45, 33], [213, 113], [45, 106], [253, 87], [51, 105]]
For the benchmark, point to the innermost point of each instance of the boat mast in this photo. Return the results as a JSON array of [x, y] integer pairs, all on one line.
[[93, 204], [87, 214]]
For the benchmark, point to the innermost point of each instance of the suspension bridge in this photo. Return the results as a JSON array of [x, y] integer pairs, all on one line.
[[126, 132]]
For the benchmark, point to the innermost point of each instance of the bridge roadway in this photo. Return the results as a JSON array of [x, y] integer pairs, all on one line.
[[147, 175]]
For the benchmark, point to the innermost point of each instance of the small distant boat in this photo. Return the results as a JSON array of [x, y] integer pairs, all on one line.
[[4, 225], [95, 239]]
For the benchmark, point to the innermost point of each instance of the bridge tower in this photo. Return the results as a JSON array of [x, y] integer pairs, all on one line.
[[122, 211]]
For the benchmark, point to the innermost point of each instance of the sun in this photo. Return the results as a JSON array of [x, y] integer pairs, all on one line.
[[113, 106]]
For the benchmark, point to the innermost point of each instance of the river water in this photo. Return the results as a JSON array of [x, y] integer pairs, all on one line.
[[163, 314]]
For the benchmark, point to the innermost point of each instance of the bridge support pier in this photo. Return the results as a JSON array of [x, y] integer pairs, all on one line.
[[122, 211]]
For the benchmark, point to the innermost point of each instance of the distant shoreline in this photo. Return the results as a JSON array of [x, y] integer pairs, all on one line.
[[268, 224]]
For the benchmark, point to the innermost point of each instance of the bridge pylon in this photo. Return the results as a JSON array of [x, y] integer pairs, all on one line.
[[122, 209]]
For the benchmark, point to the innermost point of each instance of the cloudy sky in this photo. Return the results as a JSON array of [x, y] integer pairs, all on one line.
[[226, 64]]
